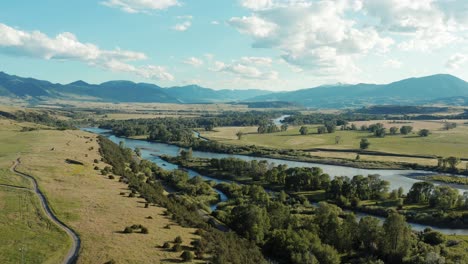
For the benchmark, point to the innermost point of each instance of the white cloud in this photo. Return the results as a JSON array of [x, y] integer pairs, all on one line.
[[253, 25], [424, 24], [214, 22], [184, 26], [140, 6], [243, 71], [456, 61], [257, 4], [196, 62], [311, 34], [392, 63], [262, 61], [66, 46]]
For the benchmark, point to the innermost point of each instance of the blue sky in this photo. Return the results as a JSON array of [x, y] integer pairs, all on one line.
[[238, 44]]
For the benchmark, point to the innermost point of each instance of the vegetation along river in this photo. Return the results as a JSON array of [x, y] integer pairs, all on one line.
[[397, 178]]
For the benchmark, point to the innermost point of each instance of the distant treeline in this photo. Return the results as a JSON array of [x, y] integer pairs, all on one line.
[[42, 118], [171, 129], [269, 104], [401, 110], [362, 115]]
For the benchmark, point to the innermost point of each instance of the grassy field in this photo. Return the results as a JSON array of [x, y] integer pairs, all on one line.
[[22, 222], [441, 143], [87, 201], [27, 235]]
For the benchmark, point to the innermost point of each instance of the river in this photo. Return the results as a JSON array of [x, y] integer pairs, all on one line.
[[397, 178]]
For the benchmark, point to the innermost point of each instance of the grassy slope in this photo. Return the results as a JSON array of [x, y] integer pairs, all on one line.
[[90, 203], [22, 221]]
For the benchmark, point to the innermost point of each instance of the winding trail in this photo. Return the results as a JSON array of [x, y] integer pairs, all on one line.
[[72, 255]]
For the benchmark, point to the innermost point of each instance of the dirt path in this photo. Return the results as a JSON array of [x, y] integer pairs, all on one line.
[[72, 254]]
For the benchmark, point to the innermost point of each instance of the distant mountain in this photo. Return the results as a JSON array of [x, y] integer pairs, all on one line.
[[440, 89], [118, 91], [197, 94], [409, 91]]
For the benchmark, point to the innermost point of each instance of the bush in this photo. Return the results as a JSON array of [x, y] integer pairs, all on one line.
[[187, 256], [178, 240], [433, 238], [128, 230], [144, 230], [177, 248], [167, 245], [111, 177]]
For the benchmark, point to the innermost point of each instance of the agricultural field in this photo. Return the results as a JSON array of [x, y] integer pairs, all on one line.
[[96, 207], [441, 142]]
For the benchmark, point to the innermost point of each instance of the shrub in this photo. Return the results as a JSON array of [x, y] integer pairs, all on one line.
[[433, 238], [177, 248], [144, 230], [187, 256], [167, 245], [128, 230], [178, 240], [111, 177]]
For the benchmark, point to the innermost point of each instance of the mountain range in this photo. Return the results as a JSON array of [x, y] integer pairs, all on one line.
[[439, 88]]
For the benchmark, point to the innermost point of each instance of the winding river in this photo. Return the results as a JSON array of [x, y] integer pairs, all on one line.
[[397, 178]]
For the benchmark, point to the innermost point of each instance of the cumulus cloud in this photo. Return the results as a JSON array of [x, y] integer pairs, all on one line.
[[140, 6], [311, 34], [456, 61], [196, 62], [66, 46], [253, 25], [424, 24], [244, 71]]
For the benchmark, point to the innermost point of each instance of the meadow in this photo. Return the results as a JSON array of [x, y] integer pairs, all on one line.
[[96, 207], [441, 142]]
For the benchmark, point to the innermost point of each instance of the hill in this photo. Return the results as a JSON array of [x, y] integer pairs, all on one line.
[[411, 91], [117, 91], [440, 88]]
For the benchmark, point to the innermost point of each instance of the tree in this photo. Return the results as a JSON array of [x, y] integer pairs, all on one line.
[[239, 135], [138, 152], [453, 162], [380, 132], [396, 240], [369, 233], [250, 221], [321, 130], [420, 192], [405, 130], [284, 127], [444, 197], [424, 133], [448, 125], [331, 127], [364, 143], [393, 130], [304, 130], [186, 154], [187, 256]]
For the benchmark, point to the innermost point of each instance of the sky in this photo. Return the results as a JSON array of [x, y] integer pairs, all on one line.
[[275, 45]]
